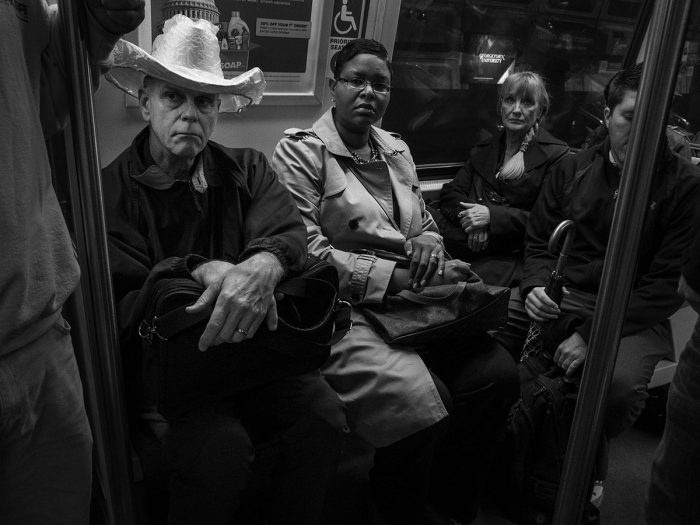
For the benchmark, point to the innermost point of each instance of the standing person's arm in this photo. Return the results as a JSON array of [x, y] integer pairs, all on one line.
[[107, 20]]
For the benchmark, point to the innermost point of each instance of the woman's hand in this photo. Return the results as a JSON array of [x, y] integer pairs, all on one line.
[[478, 239], [474, 216], [455, 271], [427, 256]]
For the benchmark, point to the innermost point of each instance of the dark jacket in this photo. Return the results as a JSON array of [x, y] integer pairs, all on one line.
[[509, 203], [151, 219], [584, 188], [691, 264]]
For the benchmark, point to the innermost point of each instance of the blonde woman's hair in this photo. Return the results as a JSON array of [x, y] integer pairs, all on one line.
[[524, 83]]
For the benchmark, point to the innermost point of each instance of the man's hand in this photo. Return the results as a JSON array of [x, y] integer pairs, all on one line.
[[571, 354], [474, 216], [540, 307], [117, 16], [427, 256], [242, 295], [478, 239]]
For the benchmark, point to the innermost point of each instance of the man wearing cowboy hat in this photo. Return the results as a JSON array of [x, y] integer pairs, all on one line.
[[45, 439], [223, 218]]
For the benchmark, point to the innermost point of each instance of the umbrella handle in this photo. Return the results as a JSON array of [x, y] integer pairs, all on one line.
[[566, 229]]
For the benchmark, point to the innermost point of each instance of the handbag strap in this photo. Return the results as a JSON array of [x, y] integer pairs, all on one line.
[[419, 298]]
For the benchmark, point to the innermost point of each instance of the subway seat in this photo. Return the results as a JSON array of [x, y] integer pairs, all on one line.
[[682, 325]]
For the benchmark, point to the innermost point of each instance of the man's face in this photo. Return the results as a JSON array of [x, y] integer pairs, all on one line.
[[181, 120], [619, 123]]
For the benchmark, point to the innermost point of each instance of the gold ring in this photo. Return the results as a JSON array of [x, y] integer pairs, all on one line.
[[242, 331]]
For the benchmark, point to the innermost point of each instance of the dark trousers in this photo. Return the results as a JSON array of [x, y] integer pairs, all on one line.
[[637, 357], [289, 433], [483, 383], [400, 476]]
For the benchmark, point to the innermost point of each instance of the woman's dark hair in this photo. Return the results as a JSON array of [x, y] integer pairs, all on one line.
[[626, 80], [356, 47]]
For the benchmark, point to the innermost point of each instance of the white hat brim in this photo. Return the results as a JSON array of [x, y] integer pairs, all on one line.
[[131, 64]]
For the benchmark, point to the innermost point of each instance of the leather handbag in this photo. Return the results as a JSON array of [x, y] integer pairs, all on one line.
[[178, 376], [440, 314]]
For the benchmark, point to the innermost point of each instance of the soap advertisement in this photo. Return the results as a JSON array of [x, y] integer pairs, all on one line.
[[270, 34]]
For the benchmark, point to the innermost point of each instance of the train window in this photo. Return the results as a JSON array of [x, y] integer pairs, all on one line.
[[450, 55], [685, 109]]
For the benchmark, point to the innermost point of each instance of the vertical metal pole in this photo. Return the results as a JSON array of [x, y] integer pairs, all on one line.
[[104, 386], [662, 54]]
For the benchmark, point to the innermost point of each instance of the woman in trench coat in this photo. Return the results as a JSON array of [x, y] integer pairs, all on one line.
[[357, 189]]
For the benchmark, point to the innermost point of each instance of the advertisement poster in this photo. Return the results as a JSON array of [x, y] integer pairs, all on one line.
[[273, 35], [492, 58]]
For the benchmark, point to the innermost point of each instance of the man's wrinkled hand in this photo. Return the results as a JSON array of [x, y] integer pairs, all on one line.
[[571, 354], [243, 297], [117, 16]]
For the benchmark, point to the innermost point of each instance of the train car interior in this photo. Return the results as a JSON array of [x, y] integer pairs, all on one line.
[[448, 59]]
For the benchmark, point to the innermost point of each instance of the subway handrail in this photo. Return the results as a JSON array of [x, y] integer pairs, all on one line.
[[662, 55], [101, 365]]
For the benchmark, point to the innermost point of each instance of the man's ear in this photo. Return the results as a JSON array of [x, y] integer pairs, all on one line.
[[606, 115], [144, 104], [331, 85]]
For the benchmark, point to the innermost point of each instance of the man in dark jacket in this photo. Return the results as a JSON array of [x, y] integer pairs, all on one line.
[[220, 217], [584, 188]]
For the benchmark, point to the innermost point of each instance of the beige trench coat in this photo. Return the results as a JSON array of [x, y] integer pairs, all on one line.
[[387, 389]]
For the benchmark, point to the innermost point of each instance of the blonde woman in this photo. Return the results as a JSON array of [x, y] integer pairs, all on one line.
[[486, 207]]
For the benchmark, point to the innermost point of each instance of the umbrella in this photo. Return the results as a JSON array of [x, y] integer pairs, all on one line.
[[554, 286]]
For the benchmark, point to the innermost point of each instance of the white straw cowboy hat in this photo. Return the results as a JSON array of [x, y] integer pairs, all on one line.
[[186, 55]]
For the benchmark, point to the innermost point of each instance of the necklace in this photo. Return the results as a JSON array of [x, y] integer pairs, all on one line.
[[373, 155]]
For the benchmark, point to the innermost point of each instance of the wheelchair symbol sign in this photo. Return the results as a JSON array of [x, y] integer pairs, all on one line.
[[345, 19]]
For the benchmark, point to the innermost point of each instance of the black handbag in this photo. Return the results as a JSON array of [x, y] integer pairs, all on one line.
[[311, 318], [440, 314]]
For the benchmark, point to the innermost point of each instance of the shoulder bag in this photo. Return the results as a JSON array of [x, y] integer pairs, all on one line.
[[311, 318], [439, 314]]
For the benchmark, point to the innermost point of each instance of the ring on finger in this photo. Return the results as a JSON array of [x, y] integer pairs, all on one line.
[[242, 331]]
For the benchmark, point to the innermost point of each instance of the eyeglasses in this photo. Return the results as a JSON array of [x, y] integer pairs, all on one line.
[[359, 84]]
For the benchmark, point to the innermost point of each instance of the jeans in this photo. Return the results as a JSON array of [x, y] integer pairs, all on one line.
[[674, 492], [45, 438], [290, 433]]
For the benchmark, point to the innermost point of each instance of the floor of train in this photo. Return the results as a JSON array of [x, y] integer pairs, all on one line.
[[625, 489]]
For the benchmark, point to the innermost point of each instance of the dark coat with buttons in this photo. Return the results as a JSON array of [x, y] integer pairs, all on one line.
[[584, 188], [509, 204]]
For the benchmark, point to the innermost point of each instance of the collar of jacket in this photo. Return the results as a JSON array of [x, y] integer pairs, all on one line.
[[325, 128], [485, 158], [143, 169]]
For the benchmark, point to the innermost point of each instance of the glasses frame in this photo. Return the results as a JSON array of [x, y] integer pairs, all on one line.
[[365, 83]]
